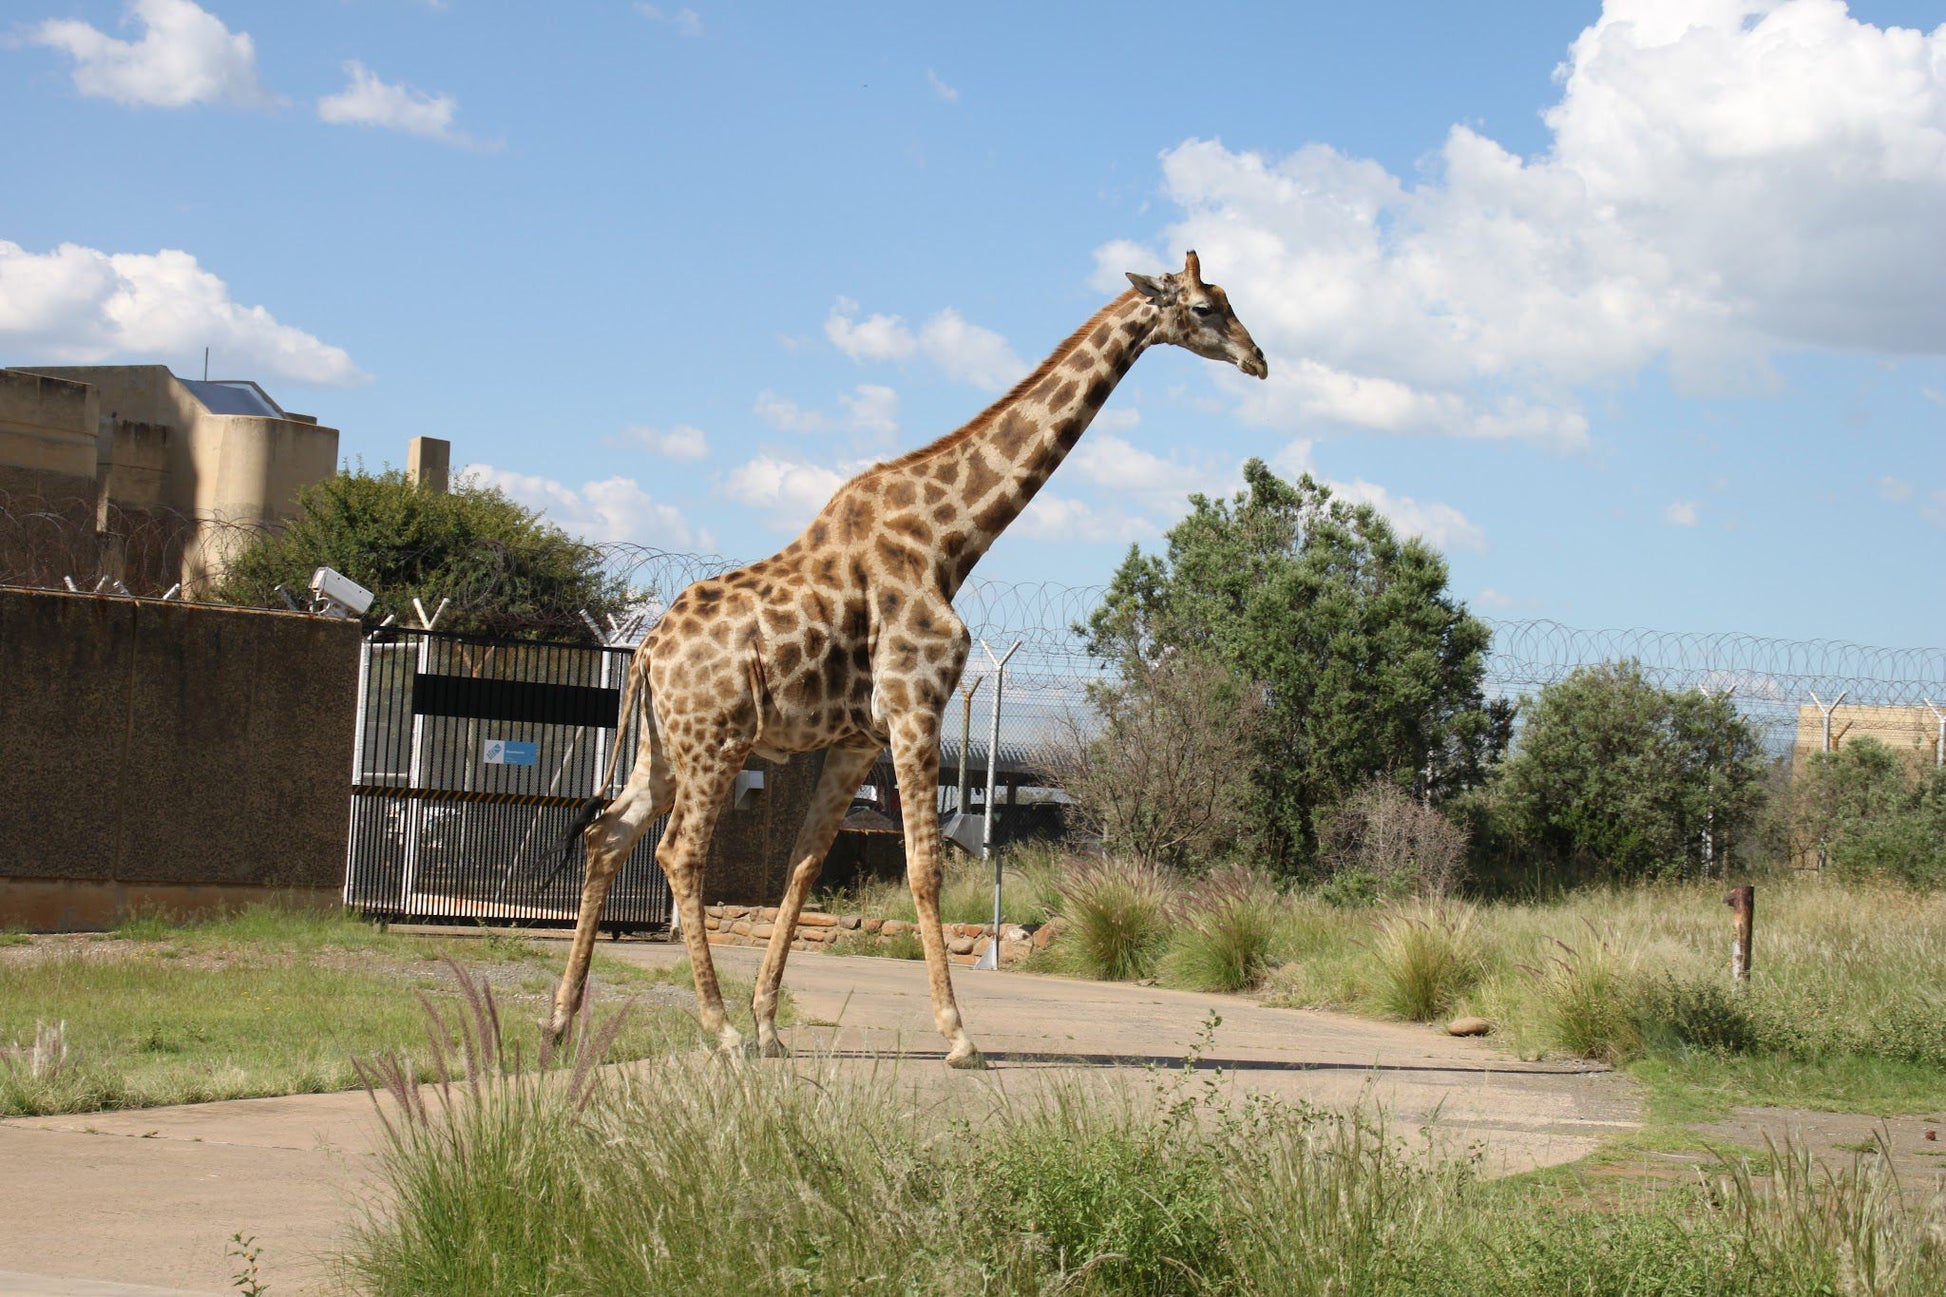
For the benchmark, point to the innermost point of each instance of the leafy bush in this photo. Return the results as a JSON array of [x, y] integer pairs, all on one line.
[[1615, 773], [502, 566], [1119, 912], [1698, 1014], [1425, 962], [1381, 834], [1230, 925], [1874, 813]]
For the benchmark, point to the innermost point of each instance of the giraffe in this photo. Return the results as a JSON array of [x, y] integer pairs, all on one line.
[[846, 641]]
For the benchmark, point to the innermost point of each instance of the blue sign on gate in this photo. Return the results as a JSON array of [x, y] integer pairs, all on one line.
[[510, 752]]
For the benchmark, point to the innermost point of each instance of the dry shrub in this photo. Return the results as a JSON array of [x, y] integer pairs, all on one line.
[[1381, 834], [1163, 772]]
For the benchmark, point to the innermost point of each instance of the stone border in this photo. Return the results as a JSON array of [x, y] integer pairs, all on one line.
[[752, 925]]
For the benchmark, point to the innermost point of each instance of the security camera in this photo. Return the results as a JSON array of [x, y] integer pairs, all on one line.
[[336, 595]]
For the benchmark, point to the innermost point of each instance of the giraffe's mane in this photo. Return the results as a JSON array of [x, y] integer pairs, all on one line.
[[979, 422]]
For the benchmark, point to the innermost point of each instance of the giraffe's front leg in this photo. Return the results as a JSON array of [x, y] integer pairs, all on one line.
[[915, 756]]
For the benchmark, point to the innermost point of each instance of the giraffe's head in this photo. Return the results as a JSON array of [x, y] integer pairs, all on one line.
[[1197, 315]]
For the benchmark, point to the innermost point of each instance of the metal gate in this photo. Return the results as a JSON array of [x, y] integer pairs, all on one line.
[[471, 759]]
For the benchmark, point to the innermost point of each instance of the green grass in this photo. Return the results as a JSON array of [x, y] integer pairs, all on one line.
[[1844, 1008], [264, 1002], [824, 1176]]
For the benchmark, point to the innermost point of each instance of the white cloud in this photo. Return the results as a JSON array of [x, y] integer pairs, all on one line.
[[871, 410], [687, 22], [1682, 513], [185, 56], [1439, 525], [1161, 487], [681, 442], [1122, 418], [368, 101], [1727, 180], [614, 508], [1895, 488], [1051, 517], [790, 491], [77, 305], [966, 353], [1491, 598], [940, 88]]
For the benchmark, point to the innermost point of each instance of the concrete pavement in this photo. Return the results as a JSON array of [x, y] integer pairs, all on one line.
[[152, 1196]]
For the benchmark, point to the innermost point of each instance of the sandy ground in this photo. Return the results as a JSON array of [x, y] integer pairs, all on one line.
[[152, 1197]]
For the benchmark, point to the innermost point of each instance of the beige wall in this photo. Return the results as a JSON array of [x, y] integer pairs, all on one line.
[[47, 429], [1913, 732], [135, 437]]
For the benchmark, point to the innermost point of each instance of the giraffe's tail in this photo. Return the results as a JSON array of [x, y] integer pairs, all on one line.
[[635, 693]]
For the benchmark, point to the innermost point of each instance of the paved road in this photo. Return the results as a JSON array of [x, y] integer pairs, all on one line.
[[151, 1197]]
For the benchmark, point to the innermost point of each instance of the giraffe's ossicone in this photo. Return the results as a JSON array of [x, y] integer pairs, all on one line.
[[845, 641]]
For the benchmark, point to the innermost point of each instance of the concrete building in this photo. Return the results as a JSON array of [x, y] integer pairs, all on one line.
[[1912, 732], [176, 473]]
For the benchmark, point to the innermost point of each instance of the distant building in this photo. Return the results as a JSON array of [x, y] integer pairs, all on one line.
[[1912, 732], [177, 473]]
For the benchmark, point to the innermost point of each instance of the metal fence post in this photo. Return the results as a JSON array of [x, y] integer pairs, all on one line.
[[992, 958], [1743, 905]]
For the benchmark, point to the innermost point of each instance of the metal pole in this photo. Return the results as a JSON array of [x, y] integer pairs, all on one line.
[[993, 758], [1826, 712], [357, 761], [1743, 904], [1939, 744], [965, 740]]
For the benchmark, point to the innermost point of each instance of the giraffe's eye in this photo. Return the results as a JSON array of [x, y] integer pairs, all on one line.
[[1203, 310]]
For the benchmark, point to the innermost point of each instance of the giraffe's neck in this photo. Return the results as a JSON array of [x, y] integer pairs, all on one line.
[[993, 466]]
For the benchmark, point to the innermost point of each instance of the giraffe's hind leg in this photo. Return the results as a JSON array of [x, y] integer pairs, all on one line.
[[844, 770], [645, 798]]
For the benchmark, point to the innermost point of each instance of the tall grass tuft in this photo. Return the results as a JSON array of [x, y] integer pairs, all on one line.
[[1230, 927], [1588, 1000], [1119, 911], [1425, 961]]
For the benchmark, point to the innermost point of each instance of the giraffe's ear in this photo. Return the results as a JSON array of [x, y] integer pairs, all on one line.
[[1160, 291]]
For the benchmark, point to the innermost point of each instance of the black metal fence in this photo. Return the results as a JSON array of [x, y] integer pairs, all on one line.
[[472, 758]]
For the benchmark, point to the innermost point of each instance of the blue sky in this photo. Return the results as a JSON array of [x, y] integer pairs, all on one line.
[[1637, 311]]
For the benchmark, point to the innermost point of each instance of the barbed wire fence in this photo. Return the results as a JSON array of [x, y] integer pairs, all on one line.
[[80, 545]]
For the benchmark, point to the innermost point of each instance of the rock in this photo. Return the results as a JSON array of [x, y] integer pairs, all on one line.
[[1013, 932], [812, 919], [1468, 1027], [959, 945], [741, 927], [761, 929], [1045, 934], [850, 922], [893, 927], [873, 925], [1012, 952], [735, 911], [767, 913]]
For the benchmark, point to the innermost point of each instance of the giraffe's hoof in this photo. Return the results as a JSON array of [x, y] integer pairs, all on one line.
[[966, 1058], [772, 1047]]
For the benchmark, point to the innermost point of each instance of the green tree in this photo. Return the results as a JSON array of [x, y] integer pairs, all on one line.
[[1365, 664], [1872, 813], [504, 569], [1613, 774]]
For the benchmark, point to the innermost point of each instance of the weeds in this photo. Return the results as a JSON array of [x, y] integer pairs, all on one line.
[[1586, 1006]]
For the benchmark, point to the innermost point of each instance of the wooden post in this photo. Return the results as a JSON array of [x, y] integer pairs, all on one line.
[[1743, 904]]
